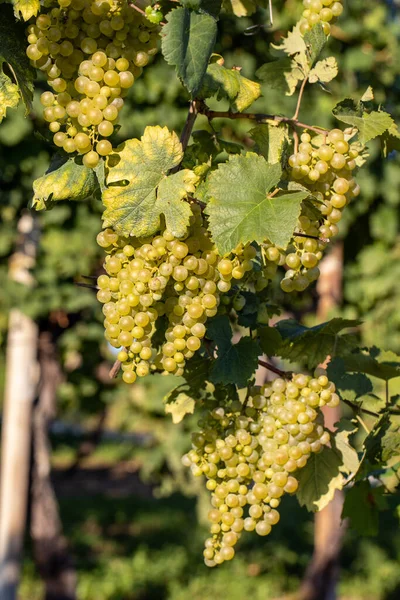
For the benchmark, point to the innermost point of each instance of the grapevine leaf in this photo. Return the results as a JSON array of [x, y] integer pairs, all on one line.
[[131, 201], [368, 95], [315, 40], [324, 71], [9, 95], [293, 43], [188, 39], [229, 83], [64, 180], [351, 386], [319, 479], [342, 445], [240, 209], [170, 194], [312, 345], [240, 8], [271, 141], [369, 125], [179, 408], [26, 8], [270, 340], [235, 363], [13, 53], [367, 362], [283, 74], [391, 140], [383, 442], [362, 505]]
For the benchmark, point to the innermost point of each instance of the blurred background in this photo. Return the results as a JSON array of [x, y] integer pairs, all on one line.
[[111, 512]]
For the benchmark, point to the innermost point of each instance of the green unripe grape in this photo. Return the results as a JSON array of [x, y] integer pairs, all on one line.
[[111, 78], [129, 376], [105, 128], [59, 139], [126, 79], [91, 159], [110, 113], [103, 148], [69, 145]]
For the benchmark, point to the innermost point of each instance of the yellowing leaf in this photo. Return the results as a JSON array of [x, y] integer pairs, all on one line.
[[292, 43], [324, 71], [368, 95], [131, 194], [240, 8], [26, 8], [171, 192], [179, 408], [13, 53], [240, 91], [65, 180], [9, 95]]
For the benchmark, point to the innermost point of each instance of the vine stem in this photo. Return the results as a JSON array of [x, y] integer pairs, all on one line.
[[300, 98], [189, 124], [273, 369], [258, 117], [115, 369]]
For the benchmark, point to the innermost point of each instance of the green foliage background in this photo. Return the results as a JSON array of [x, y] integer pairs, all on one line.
[[154, 547]]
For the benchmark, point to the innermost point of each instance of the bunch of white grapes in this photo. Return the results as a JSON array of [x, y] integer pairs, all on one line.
[[320, 11], [250, 453], [91, 52], [182, 279], [325, 165]]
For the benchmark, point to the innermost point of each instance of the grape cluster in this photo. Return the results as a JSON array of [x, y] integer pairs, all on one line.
[[91, 52], [181, 279], [325, 165], [249, 454], [320, 11]]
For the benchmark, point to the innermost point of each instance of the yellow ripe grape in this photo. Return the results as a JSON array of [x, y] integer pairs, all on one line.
[[91, 159]]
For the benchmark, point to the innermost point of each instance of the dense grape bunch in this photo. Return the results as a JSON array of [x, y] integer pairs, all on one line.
[[182, 279], [250, 454], [324, 164], [320, 11], [91, 52]]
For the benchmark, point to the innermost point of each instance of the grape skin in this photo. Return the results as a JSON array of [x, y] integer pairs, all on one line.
[[91, 52], [248, 454]]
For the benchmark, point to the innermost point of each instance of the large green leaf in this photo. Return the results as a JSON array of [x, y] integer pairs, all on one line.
[[235, 363], [13, 53], [370, 125], [319, 479], [188, 39], [383, 442], [362, 505], [383, 365], [240, 209], [140, 189], [351, 386], [229, 83], [311, 346], [66, 179]]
